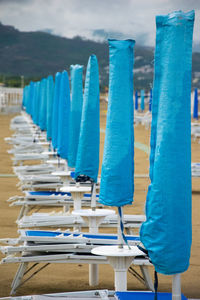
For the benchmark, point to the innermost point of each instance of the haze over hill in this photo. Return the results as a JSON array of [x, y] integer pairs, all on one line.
[[38, 54]]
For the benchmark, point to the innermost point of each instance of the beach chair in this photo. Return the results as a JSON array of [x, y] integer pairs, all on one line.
[[42, 181], [131, 222], [38, 199], [99, 294], [36, 247], [195, 169], [34, 169]]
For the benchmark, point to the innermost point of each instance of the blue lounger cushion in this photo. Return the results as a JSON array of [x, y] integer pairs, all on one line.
[[47, 193], [94, 236], [144, 296]]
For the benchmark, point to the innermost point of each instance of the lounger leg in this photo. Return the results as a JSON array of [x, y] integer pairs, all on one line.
[[93, 274], [26, 210], [65, 208], [18, 277], [21, 214], [147, 277]]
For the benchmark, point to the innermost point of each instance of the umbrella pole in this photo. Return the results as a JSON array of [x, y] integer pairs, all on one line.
[[176, 286], [93, 197], [120, 240]]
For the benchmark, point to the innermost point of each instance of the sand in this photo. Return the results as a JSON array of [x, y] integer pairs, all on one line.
[[71, 277]]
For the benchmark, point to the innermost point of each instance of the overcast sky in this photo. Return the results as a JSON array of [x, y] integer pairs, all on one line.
[[94, 19]]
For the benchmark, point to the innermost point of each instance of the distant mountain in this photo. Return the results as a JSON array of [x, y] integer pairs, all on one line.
[[38, 54]]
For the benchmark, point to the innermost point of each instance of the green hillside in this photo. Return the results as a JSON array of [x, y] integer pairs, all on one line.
[[38, 54]]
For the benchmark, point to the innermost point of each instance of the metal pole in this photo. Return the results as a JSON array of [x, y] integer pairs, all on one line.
[[119, 231], [93, 197], [176, 287], [93, 268]]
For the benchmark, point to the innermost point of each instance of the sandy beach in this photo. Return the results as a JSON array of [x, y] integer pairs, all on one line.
[[71, 277]]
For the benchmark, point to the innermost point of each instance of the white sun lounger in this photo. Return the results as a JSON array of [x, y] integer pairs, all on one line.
[[17, 140], [40, 181], [63, 247], [36, 200], [81, 295], [143, 118], [19, 157], [34, 169], [195, 169], [131, 222], [24, 148]]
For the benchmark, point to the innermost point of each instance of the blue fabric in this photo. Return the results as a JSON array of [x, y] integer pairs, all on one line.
[[63, 116], [117, 174], [89, 195], [87, 160], [166, 234], [38, 102], [150, 101], [142, 104], [34, 109], [43, 105], [47, 193], [144, 295], [136, 100], [28, 98], [195, 111], [33, 114], [75, 112], [72, 174], [55, 110], [50, 98], [94, 236]]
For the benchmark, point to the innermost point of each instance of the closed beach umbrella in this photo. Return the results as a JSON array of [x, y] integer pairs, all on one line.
[[75, 112], [50, 98], [117, 175], [43, 105], [38, 99], [166, 234], [55, 110], [63, 116], [87, 160], [195, 110], [34, 110]]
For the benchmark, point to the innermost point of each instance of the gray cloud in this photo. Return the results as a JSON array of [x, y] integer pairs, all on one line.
[[93, 18]]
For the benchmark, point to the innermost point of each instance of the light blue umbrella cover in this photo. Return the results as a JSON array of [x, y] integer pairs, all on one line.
[[117, 175], [75, 112], [87, 160], [50, 98], [38, 101], [63, 116], [34, 109], [55, 110], [167, 232], [43, 107]]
